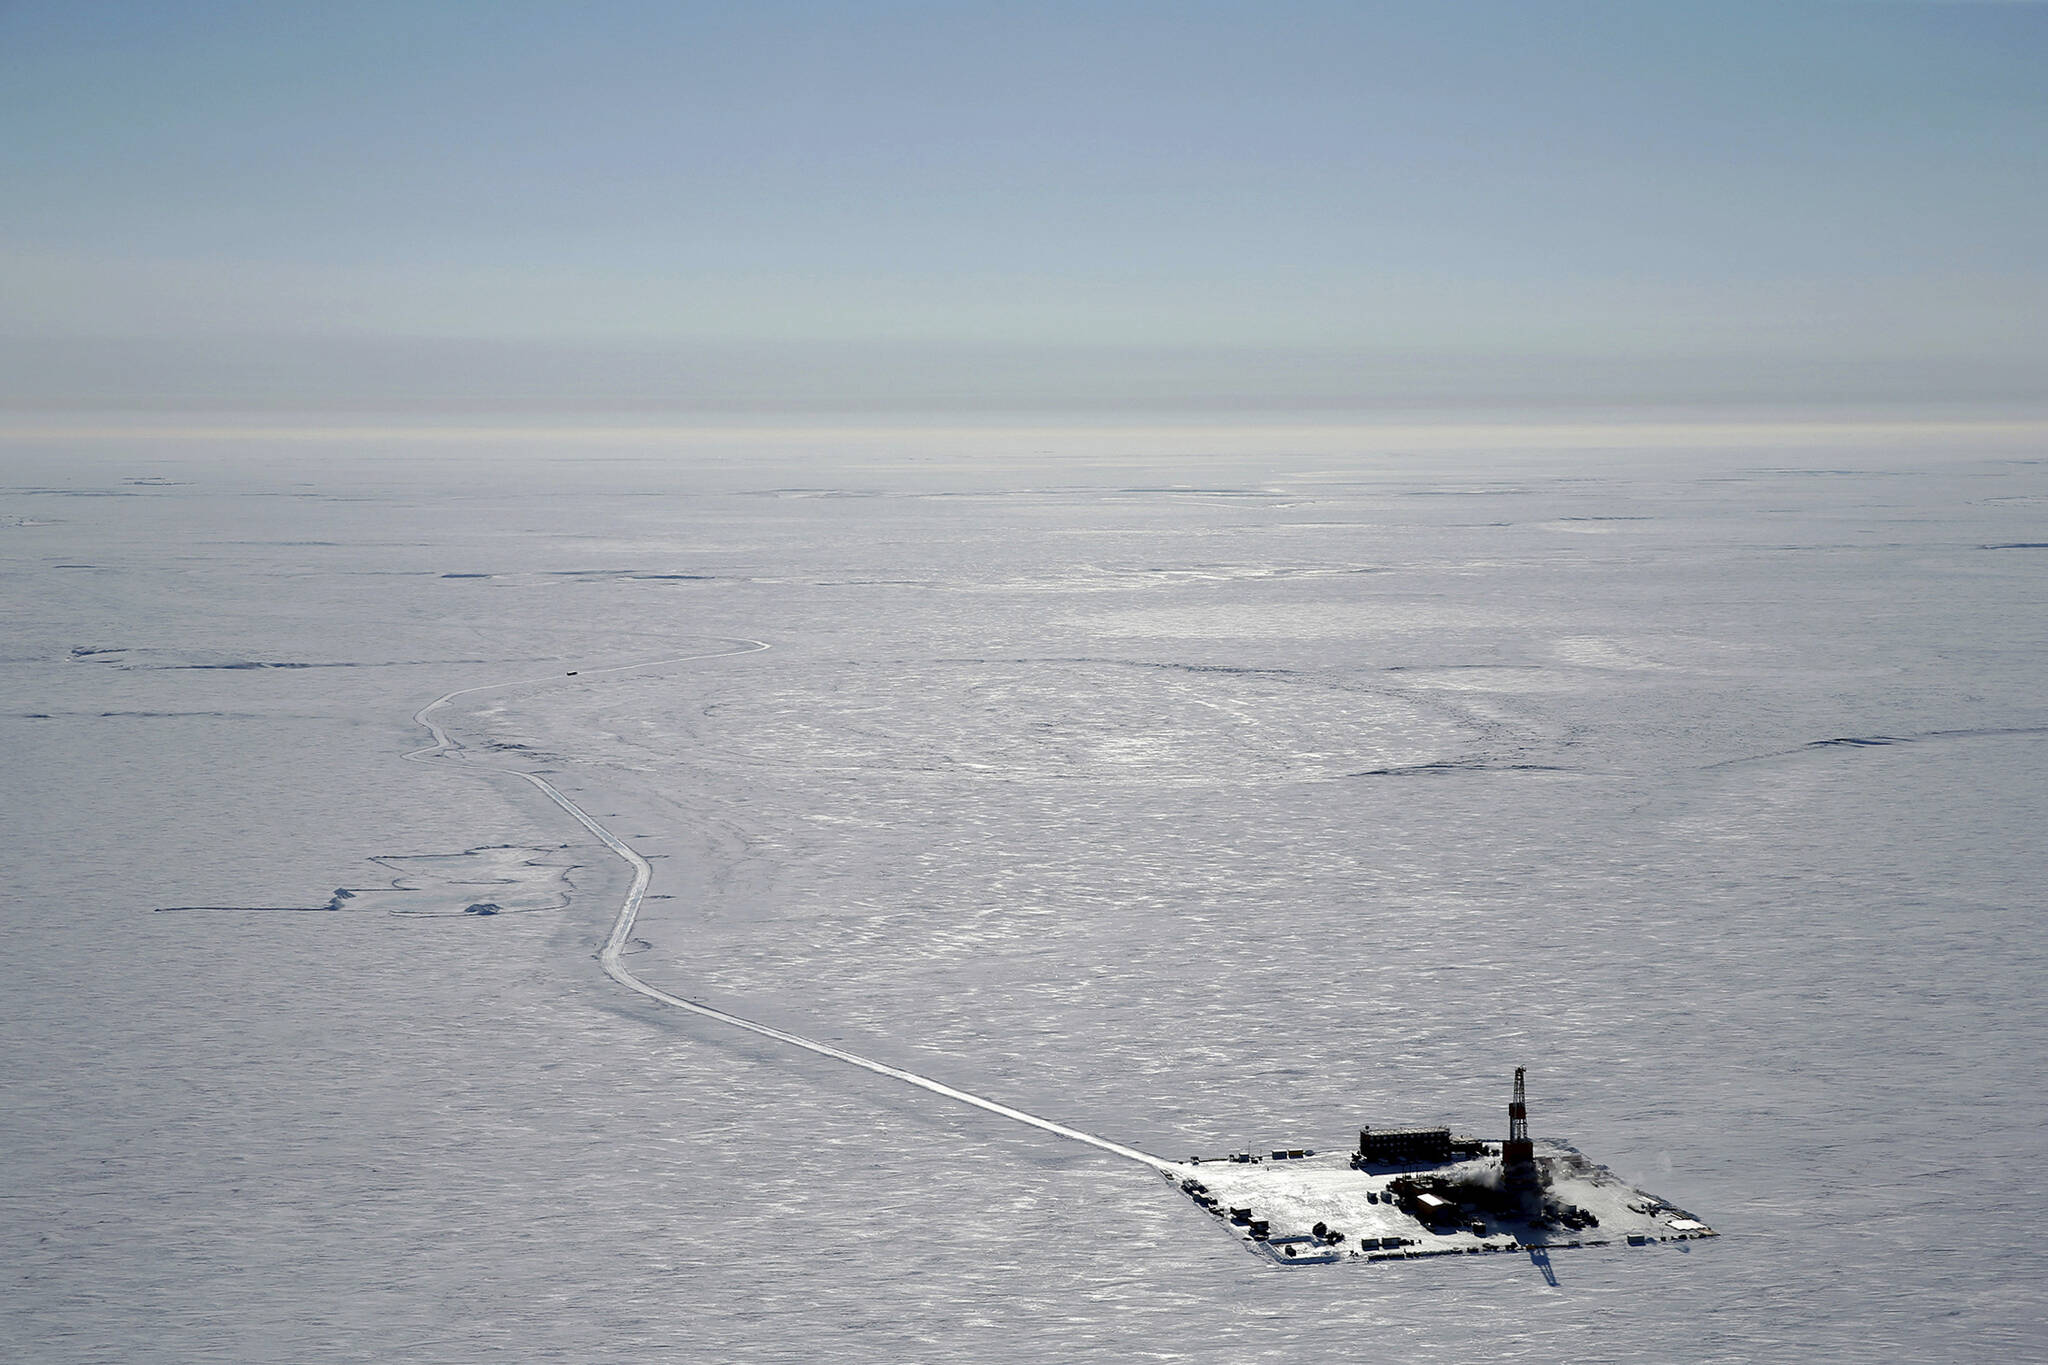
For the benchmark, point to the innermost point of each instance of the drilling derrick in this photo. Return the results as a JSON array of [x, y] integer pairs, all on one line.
[[1518, 1154]]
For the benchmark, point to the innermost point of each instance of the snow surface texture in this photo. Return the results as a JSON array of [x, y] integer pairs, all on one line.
[[1316, 793], [620, 937]]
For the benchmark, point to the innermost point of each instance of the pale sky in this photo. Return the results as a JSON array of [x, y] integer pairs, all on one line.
[[1018, 205]]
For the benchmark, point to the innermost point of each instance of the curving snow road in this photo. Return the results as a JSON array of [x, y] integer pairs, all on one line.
[[622, 927]]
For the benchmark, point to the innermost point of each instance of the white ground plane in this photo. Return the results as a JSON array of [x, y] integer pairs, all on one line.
[[1325, 1192], [643, 872]]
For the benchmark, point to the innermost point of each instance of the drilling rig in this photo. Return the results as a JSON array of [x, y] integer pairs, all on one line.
[[1518, 1154]]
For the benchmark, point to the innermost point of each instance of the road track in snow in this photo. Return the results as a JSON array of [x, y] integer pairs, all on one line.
[[643, 873]]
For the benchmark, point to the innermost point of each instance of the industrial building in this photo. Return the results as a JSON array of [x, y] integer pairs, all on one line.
[[1404, 1146], [1414, 1147]]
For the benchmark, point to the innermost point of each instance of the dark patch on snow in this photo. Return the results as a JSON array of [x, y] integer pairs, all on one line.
[[242, 664], [253, 909], [1854, 742], [1876, 741], [2018, 545], [177, 660], [1459, 765], [468, 575], [83, 652], [1232, 669], [1988, 733], [405, 883], [1448, 668]]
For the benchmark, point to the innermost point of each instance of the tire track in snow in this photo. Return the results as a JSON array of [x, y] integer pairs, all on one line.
[[643, 873]]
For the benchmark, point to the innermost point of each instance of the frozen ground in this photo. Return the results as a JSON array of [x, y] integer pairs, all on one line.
[[1194, 801]]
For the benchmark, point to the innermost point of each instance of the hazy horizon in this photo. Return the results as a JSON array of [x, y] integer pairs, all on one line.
[[1124, 207]]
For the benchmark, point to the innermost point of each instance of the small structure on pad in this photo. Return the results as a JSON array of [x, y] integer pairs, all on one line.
[[1413, 1147], [1404, 1146]]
